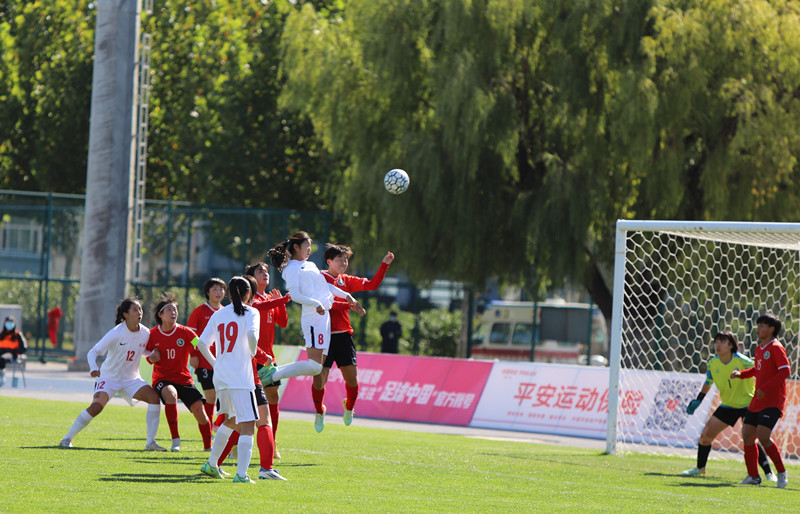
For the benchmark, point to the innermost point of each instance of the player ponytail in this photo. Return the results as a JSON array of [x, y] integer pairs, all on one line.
[[238, 288], [123, 307], [280, 255]]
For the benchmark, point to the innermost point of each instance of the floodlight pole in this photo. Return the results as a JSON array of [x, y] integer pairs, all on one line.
[[109, 173]]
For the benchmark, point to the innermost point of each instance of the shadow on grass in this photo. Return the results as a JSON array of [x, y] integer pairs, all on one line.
[[697, 482], [73, 448], [150, 478]]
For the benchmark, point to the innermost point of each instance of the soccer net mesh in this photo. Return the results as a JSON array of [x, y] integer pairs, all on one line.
[[680, 285]]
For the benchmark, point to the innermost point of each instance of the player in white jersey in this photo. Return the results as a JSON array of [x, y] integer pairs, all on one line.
[[124, 345], [234, 329], [309, 288]]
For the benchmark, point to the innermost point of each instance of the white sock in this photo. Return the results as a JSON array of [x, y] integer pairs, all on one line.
[[245, 452], [296, 369], [83, 419], [152, 417], [220, 441]]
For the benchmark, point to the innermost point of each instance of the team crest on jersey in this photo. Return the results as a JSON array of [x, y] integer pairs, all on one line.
[[180, 343], [766, 354], [340, 282]]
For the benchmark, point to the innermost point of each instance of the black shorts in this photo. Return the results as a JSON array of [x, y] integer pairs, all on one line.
[[261, 398], [205, 377], [729, 415], [342, 351], [766, 417], [188, 394]]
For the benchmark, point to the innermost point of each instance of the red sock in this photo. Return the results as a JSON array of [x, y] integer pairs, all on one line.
[[205, 431], [220, 420], [274, 414], [209, 408], [751, 460], [318, 395], [775, 454], [171, 412], [352, 394], [266, 446], [228, 447]]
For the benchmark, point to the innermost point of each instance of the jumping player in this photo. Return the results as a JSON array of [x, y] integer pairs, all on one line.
[[734, 398], [272, 308], [234, 329], [214, 291], [771, 371], [307, 287], [123, 346], [343, 349], [171, 376]]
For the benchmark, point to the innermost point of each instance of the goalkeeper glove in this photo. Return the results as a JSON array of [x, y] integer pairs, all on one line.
[[694, 404]]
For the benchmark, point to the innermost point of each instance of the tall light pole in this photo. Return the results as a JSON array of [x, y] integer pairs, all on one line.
[[109, 174]]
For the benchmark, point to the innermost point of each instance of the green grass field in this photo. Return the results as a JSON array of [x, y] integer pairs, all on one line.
[[346, 469]]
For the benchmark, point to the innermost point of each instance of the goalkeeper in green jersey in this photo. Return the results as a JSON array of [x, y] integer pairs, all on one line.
[[735, 396]]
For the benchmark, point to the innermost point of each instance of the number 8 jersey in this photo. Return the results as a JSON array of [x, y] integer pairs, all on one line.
[[233, 368]]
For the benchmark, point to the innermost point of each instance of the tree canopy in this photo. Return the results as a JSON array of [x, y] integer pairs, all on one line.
[[527, 126]]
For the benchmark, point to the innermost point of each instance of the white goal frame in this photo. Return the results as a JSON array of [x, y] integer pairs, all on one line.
[[782, 236]]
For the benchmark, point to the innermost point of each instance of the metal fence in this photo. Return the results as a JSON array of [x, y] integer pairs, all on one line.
[[182, 246]]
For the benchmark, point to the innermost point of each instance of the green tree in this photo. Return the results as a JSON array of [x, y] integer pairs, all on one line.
[[528, 128], [46, 78]]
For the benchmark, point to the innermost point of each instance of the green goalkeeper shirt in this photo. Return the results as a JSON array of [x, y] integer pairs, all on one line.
[[733, 393]]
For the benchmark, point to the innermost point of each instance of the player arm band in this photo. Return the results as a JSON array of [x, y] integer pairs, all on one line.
[[700, 397], [195, 341]]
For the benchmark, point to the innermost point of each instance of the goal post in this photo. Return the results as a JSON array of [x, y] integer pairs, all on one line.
[[676, 284]]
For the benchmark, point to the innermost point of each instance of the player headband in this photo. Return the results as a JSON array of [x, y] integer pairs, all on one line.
[[165, 306]]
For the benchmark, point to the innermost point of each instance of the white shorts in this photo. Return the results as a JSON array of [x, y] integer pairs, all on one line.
[[126, 388], [317, 330], [238, 403]]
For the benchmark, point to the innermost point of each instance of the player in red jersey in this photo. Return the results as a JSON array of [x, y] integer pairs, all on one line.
[[170, 343], [214, 290], [343, 350], [272, 309], [766, 408]]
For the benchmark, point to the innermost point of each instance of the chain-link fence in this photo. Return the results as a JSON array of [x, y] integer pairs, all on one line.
[[182, 246]]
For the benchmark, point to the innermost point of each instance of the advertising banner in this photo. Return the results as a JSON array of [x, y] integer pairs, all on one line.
[[401, 388], [545, 398]]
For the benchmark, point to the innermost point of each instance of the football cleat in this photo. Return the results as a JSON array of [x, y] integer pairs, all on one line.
[[211, 471], [748, 480], [770, 477], [783, 479], [265, 374], [154, 447], [243, 480], [347, 416], [694, 472], [319, 420], [270, 474], [65, 443], [176, 445]]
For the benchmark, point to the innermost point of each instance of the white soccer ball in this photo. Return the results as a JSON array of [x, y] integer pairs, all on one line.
[[396, 181]]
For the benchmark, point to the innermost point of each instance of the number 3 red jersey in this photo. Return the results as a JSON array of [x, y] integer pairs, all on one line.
[[173, 366]]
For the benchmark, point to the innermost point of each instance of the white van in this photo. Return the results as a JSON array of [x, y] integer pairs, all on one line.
[[506, 332]]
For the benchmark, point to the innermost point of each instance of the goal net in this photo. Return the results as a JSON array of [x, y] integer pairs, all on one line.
[[676, 284]]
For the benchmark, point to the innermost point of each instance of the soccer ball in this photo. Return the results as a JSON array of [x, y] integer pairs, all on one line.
[[396, 181]]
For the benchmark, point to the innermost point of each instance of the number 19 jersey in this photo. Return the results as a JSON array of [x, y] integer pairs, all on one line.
[[233, 368]]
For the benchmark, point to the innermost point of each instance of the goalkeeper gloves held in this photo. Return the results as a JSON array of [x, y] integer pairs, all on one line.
[[694, 404]]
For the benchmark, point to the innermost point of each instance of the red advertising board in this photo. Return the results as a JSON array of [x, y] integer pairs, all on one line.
[[401, 388]]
